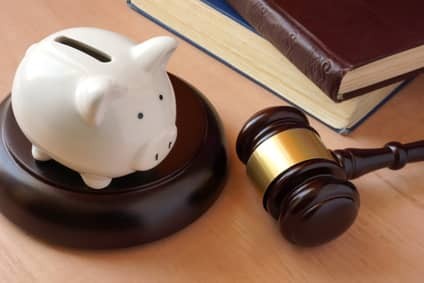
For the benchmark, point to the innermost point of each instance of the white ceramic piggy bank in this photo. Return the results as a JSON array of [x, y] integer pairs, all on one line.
[[97, 102]]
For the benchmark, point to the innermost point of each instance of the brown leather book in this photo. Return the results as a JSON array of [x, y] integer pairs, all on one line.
[[346, 47]]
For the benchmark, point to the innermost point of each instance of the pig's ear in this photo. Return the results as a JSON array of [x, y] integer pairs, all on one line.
[[93, 96], [154, 52]]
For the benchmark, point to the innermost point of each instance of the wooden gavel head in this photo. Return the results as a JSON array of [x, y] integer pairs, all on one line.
[[305, 186]]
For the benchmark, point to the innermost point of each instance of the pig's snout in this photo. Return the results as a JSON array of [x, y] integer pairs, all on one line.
[[156, 150], [164, 143]]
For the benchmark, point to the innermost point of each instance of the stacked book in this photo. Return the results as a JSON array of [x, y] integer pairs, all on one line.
[[337, 60]]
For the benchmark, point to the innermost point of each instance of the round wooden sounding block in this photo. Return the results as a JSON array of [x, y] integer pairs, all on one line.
[[51, 202]]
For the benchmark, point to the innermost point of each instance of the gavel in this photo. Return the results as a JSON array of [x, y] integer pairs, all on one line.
[[305, 186]]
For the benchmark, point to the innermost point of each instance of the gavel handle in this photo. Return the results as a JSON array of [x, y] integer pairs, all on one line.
[[393, 155]]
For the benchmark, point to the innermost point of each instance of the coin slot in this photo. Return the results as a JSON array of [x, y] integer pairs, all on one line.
[[84, 48]]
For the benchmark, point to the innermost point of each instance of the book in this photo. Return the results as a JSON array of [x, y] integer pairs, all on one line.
[[346, 47], [216, 29]]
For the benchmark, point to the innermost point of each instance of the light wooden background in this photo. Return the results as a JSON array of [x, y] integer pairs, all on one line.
[[235, 241]]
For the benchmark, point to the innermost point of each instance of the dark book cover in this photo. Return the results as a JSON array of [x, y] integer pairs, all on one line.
[[224, 8], [326, 39]]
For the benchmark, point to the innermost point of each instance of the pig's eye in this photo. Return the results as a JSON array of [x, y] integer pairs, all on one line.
[[160, 97], [140, 115]]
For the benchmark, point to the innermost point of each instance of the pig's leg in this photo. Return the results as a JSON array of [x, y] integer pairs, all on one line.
[[39, 154], [95, 181]]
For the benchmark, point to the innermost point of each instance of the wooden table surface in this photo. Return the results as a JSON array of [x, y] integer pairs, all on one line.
[[235, 240]]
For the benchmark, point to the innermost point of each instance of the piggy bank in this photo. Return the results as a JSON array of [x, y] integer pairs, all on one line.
[[97, 102]]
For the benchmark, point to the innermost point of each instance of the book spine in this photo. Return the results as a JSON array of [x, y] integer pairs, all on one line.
[[297, 44]]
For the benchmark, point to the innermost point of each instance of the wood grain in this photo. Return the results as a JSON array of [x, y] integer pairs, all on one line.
[[235, 241]]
